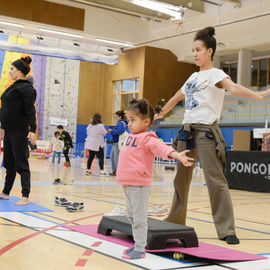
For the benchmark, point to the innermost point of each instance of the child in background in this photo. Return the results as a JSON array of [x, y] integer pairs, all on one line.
[[57, 146], [135, 170], [65, 137]]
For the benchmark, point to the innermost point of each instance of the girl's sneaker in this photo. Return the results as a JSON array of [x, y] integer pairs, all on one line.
[[134, 255], [128, 250], [87, 172], [75, 207]]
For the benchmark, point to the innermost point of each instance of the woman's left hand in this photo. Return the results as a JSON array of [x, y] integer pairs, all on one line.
[[32, 137], [2, 133]]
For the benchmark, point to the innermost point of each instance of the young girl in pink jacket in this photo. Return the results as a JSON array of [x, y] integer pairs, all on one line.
[[135, 167]]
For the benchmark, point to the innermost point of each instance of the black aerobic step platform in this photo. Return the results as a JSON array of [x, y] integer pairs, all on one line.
[[159, 231]]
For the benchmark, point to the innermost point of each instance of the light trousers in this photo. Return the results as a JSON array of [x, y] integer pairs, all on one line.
[[137, 199], [114, 156]]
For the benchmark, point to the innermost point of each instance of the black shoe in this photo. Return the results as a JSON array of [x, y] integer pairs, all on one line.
[[231, 240], [113, 173], [57, 181]]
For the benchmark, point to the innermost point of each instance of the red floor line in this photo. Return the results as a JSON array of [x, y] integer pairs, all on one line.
[[81, 262], [23, 239], [88, 252], [96, 244]]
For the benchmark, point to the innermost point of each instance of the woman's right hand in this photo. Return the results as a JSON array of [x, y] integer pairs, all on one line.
[[158, 116]]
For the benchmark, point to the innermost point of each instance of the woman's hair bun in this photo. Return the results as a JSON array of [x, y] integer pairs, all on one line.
[[205, 33], [210, 30], [27, 59]]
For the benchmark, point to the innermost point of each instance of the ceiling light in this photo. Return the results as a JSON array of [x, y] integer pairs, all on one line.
[[11, 24], [115, 42], [153, 3], [60, 33], [172, 10]]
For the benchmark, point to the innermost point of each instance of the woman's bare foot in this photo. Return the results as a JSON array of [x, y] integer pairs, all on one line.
[[4, 196], [23, 201]]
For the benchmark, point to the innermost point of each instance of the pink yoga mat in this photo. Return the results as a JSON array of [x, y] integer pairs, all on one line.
[[204, 250]]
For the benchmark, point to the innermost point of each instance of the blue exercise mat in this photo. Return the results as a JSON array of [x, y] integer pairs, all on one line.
[[8, 206]]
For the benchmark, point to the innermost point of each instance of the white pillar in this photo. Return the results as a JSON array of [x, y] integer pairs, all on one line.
[[244, 67], [217, 61]]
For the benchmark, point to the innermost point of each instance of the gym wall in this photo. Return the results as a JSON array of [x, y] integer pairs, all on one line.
[[160, 74]]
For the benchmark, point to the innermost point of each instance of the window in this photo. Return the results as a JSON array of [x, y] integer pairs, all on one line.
[[226, 68], [254, 73], [231, 70], [263, 73], [123, 92], [260, 73]]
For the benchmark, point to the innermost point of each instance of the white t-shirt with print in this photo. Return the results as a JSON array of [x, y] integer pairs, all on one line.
[[203, 100]]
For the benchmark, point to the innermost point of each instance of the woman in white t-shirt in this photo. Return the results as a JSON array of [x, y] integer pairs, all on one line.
[[204, 93]]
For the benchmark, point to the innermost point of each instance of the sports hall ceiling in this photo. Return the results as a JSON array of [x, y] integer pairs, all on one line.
[[239, 24], [131, 9]]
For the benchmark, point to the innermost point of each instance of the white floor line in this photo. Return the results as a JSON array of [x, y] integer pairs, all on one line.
[[96, 183], [151, 262]]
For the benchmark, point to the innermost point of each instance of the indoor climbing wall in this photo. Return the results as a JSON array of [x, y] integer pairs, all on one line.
[[61, 95]]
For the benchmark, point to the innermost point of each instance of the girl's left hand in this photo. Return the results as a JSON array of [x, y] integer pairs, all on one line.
[[182, 157]]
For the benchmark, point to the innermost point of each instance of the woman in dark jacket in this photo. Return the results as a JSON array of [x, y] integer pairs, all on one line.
[[18, 127]]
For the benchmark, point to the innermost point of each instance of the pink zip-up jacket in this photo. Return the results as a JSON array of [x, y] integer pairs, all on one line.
[[136, 158]]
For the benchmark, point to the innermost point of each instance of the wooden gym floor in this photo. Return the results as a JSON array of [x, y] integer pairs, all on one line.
[[31, 241]]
